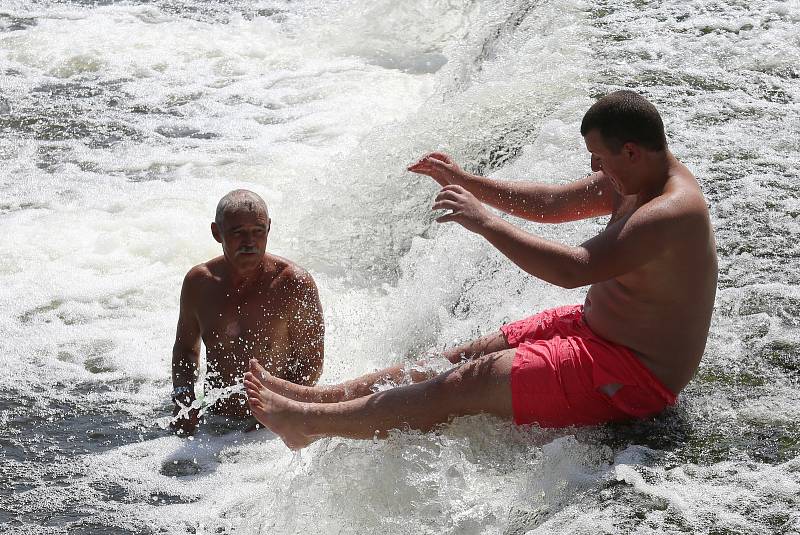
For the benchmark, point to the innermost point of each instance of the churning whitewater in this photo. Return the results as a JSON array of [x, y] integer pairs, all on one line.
[[122, 124]]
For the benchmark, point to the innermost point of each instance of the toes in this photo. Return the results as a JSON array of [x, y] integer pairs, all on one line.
[[251, 378], [254, 394], [251, 383], [256, 405], [257, 369]]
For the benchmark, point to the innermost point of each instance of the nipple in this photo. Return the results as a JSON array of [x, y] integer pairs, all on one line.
[[233, 330]]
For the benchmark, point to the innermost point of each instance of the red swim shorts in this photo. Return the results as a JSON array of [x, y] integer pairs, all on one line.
[[561, 366]]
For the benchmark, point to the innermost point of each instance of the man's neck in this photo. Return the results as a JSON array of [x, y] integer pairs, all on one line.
[[658, 170], [243, 279]]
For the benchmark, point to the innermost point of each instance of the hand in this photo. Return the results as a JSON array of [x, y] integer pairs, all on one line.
[[466, 210], [184, 422], [440, 167]]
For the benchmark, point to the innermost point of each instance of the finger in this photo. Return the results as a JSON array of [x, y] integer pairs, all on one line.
[[446, 205], [421, 161], [416, 166], [441, 157], [437, 164], [447, 196], [422, 169], [449, 217], [454, 188]]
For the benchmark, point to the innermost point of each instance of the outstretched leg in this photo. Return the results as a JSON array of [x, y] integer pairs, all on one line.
[[365, 385], [478, 386]]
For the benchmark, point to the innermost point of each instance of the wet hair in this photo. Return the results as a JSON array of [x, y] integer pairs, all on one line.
[[239, 199], [625, 116]]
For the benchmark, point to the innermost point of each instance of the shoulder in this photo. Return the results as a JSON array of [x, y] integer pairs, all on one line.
[[202, 274], [291, 276], [681, 206]]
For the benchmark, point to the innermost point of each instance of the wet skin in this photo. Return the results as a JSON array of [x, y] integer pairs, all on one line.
[[246, 304], [652, 274], [661, 295]]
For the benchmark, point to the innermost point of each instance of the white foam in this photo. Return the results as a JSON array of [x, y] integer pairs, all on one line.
[[320, 110]]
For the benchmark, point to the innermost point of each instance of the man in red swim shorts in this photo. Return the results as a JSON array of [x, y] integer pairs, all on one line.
[[625, 353]]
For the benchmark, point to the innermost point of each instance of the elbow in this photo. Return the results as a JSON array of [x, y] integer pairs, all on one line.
[[575, 274], [570, 283]]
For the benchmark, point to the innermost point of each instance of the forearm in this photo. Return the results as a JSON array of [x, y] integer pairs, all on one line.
[[552, 262], [184, 367], [528, 200]]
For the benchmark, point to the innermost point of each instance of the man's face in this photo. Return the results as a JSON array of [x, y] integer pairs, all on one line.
[[616, 166], [243, 235]]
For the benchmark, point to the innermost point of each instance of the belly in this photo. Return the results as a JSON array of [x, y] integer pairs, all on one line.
[[234, 405], [668, 339], [229, 359]]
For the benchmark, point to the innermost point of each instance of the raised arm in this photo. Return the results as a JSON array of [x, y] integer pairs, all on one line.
[[622, 246], [185, 358], [591, 196], [306, 332]]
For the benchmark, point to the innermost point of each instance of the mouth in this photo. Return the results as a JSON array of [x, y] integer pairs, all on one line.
[[246, 251]]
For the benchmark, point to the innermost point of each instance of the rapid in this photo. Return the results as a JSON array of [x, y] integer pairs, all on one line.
[[122, 124]]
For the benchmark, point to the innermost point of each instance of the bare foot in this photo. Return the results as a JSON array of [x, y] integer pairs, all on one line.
[[284, 417], [261, 377]]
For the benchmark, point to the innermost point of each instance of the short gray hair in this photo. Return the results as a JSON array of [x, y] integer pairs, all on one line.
[[239, 199]]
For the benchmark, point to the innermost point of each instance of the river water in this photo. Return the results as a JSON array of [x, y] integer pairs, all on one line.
[[121, 125]]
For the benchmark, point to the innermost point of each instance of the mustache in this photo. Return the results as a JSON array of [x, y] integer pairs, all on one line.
[[246, 249]]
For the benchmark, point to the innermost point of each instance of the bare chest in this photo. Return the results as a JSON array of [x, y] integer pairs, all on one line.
[[254, 324]]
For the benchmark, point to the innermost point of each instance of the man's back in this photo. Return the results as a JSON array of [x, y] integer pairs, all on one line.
[[662, 309]]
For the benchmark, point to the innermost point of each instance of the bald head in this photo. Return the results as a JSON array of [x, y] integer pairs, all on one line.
[[240, 200]]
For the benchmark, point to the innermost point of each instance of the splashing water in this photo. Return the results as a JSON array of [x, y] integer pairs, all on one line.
[[121, 125]]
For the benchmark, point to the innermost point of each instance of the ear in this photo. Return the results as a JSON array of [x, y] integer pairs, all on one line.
[[216, 232], [269, 224], [632, 151], [595, 164]]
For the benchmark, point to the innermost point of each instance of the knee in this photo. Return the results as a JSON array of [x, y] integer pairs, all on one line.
[[455, 355], [453, 381]]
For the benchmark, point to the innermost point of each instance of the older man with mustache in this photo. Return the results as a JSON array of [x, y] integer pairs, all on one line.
[[246, 304]]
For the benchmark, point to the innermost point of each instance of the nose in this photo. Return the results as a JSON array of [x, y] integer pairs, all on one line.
[[248, 238]]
